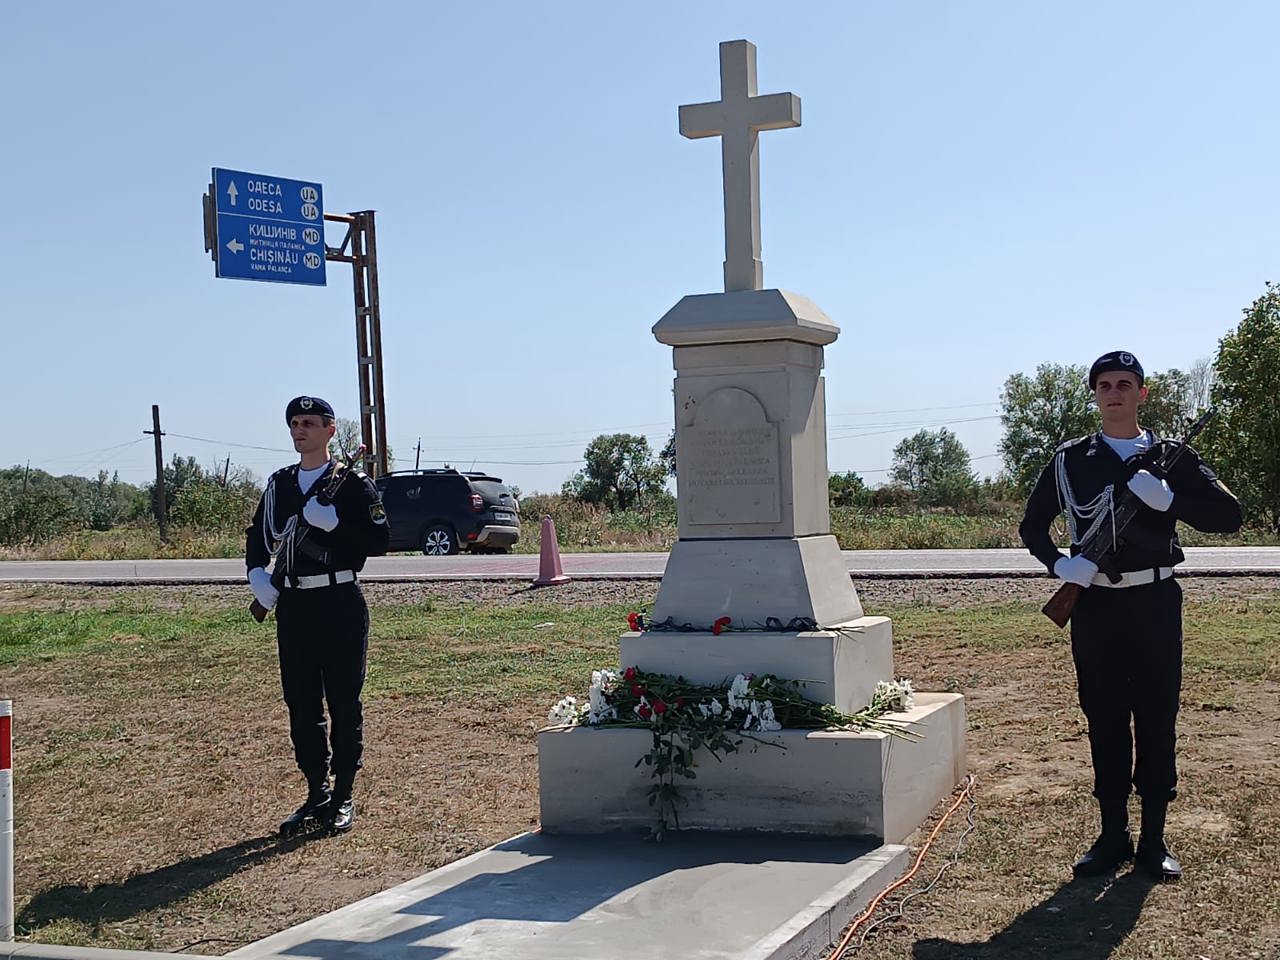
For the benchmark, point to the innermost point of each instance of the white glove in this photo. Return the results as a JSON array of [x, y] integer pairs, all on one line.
[[1078, 570], [260, 583], [1151, 490], [322, 517]]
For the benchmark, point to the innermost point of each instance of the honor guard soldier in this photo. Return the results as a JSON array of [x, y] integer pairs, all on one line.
[[1126, 636], [319, 519]]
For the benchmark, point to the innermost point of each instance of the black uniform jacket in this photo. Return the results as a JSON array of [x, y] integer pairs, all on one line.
[[1200, 499], [361, 531]]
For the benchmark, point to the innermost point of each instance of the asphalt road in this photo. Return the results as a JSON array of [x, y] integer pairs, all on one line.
[[1201, 561]]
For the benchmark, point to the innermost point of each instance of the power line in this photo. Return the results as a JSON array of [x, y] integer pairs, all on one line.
[[229, 443], [89, 453], [907, 426], [877, 413]]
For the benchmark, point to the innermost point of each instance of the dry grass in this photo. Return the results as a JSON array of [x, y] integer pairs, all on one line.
[[152, 764]]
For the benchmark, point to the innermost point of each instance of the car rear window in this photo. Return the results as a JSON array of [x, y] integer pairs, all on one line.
[[491, 490]]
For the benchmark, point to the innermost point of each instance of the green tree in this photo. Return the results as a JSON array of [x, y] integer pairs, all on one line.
[[180, 472], [348, 436], [847, 490], [620, 472], [1243, 443], [1038, 413], [667, 456], [1168, 395], [34, 507], [935, 466]]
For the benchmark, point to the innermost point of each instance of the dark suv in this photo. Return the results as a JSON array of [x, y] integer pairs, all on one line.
[[441, 511]]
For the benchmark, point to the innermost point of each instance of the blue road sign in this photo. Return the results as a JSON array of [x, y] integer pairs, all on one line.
[[268, 228]]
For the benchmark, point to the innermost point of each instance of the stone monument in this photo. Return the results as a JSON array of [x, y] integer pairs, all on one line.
[[755, 546]]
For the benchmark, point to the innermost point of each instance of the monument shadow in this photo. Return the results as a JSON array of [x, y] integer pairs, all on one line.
[[571, 876]]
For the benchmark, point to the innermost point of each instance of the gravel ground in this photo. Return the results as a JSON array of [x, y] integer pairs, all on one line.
[[875, 594]]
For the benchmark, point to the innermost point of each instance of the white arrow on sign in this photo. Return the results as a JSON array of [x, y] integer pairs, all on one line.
[[232, 192], [235, 246]]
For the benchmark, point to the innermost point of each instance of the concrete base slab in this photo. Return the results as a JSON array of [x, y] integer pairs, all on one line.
[[539, 897], [830, 783], [751, 580], [840, 666]]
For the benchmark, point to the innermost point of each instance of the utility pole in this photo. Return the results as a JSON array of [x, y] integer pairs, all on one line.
[[417, 457], [161, 507], [226, 470]]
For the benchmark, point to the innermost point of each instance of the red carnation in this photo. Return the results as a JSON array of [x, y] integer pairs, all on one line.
[[659, 707], [633, 621], [720, 624]]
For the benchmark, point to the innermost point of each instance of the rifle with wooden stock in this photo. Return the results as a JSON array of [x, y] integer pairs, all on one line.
[[299, 534], [1102, 546]]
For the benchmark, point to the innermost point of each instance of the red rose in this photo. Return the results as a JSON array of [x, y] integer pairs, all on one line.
[[637, 690], [659, 707], [720, 624], [633, 621], [679, 703], [629, 674], [644, 711]]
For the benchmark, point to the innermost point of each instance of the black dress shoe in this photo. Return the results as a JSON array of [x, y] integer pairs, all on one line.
[[1106, 855], [342, 816], [1155, 860], [313, 813]]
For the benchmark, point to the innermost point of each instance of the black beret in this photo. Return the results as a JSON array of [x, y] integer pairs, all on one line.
[[299, 406], [1116, 361]]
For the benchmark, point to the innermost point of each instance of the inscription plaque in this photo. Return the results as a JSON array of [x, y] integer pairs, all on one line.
[[729, 469]]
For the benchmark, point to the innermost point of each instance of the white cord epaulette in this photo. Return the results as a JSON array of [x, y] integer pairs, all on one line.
[[1095, 511], [1071, 443], [277, 539]]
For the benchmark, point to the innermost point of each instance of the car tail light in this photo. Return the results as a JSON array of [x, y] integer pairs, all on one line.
[[477, 503]]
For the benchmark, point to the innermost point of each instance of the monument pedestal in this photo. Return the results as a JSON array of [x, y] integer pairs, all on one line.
[[752, 579], [840, 666], [833, 783]]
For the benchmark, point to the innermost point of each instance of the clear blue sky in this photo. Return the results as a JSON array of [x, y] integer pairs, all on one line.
[[977, 188]]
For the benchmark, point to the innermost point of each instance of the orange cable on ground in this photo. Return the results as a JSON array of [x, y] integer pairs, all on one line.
[[875, 901]]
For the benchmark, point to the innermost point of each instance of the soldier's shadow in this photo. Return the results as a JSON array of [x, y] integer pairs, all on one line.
[[1083, 920], [111, 902]]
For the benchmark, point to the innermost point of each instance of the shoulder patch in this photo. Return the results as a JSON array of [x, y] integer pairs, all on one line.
[[377, 512]]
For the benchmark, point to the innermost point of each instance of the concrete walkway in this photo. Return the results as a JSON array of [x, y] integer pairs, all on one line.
[[541, 897]]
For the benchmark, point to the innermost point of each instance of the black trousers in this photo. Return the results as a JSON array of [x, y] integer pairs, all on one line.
[[323, 639], [1127, 647]]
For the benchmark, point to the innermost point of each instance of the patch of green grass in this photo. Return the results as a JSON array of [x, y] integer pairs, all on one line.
[[996, 626], [469, 650], [46, 634]]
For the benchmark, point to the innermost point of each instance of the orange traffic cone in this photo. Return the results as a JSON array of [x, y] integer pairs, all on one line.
[[549, 569]]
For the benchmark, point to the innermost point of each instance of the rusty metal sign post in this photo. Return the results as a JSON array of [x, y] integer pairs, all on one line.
[[261, 245], [362, 244]]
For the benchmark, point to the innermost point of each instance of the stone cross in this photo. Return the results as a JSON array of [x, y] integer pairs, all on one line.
[[737, 118]]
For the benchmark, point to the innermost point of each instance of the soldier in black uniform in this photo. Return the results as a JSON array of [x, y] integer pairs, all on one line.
[[320, 520], [1126, 638]]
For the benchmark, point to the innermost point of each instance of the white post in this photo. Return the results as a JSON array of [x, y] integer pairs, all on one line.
[[6, 820]]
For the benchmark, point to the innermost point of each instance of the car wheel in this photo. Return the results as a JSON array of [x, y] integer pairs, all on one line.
[[439, 541]]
